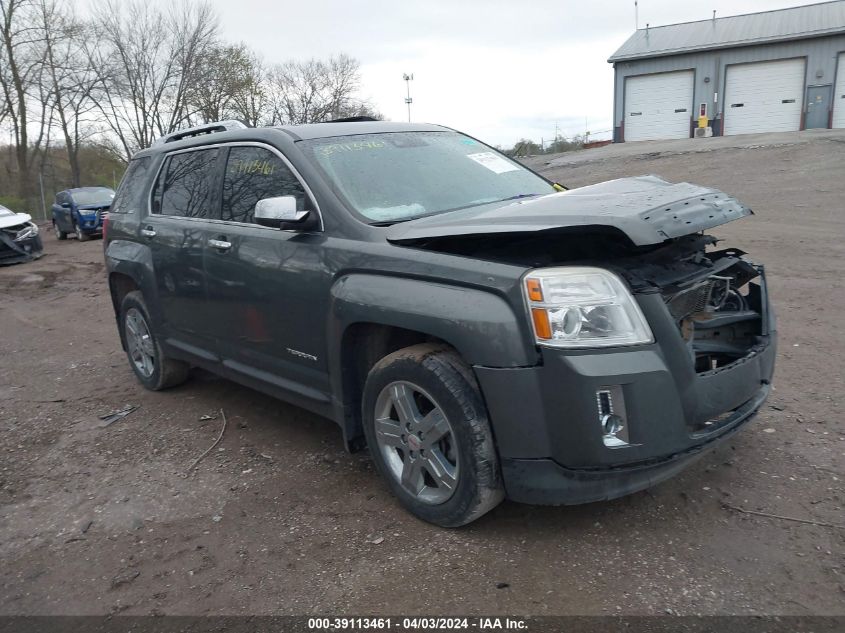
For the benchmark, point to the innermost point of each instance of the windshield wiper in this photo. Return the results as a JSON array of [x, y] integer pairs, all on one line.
[[480, 204], [466, 206], [520, 195]]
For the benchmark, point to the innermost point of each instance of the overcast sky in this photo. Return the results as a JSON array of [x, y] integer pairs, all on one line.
[[497, 69]]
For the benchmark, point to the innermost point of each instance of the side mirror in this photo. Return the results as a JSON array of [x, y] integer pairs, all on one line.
[[65, 205], [279, 212]]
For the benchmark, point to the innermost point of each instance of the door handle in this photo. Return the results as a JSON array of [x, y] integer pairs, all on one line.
[[148, 231], [220, 245]]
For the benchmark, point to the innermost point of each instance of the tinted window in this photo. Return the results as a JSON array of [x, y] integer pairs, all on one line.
[[186, 185], [252, 174], [128, 197]]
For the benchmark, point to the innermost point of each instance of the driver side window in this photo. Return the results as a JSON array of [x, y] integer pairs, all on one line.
[[253, 174]]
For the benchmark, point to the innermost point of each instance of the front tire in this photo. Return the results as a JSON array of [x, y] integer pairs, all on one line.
[[146, 358], [80, 235], [427, 429]]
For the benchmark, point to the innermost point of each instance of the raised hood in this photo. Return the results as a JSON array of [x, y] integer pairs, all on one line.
[[647, 209]]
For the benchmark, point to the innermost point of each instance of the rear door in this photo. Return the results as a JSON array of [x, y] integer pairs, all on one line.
[[268, 287], [185, 205]]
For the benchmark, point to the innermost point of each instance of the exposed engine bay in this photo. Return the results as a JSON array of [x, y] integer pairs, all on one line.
[[716, 297]]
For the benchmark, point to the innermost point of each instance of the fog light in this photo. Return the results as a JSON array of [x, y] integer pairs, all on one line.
[[611, 410], [611, 424]]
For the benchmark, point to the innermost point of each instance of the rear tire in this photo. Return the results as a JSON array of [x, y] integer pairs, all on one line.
[[60, 235], [428, 433], [146, 358]]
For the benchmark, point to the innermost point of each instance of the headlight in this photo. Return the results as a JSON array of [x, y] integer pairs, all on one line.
[[30, 230], [583, 307]]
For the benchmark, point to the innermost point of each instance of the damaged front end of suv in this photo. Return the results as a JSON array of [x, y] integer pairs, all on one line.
[[19, 238], [624, 395]]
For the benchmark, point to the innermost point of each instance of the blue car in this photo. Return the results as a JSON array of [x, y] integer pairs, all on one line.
[[81, 211]]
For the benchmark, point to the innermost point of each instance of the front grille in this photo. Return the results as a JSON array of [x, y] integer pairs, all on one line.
[[692, 300]]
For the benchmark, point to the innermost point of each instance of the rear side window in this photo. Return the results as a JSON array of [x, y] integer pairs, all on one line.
[[129, 196], [252, 174], [185, 186]]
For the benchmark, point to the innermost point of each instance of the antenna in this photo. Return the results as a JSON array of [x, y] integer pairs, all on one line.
[[714, 15], [636, 16]]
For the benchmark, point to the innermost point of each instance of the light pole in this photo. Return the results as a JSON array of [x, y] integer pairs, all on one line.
[[408, 100]]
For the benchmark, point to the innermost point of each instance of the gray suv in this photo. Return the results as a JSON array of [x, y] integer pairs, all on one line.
[[483, 331]]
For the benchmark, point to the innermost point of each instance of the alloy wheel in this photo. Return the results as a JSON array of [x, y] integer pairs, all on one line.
[[139, 342], [417, 442]]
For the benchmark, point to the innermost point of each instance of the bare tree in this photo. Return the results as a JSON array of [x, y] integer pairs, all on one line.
[[147, 61], [315, 90], [228, 84], [18, 67], [70, 76]]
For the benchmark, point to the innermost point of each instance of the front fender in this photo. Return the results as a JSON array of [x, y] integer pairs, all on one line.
[[481, 325]]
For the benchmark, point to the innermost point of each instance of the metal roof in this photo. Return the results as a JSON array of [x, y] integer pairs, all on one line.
[[814, 20]]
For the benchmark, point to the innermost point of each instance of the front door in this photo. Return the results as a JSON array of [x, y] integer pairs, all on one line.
[[818, 107], [63, 212], [267, 288], [185, 204]]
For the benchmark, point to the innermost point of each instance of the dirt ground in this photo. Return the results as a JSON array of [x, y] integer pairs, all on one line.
[[280, 520]]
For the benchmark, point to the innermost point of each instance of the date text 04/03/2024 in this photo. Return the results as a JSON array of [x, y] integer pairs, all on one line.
[[417, 623]]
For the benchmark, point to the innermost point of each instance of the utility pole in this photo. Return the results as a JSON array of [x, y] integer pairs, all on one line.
[[408, 100], [41, 187]]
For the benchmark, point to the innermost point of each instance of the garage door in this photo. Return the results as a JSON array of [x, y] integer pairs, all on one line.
[[764, 97], [658, 106], [839, 94]]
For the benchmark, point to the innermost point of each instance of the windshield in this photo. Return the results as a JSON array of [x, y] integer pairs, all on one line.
[[92, 197], [397, 176]]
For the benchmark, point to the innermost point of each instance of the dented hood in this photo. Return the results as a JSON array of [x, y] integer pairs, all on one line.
[[647, 209], [10, 218]]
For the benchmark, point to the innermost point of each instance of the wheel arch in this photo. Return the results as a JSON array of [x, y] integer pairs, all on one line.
[[120, 285], [371, 316], [130, 268], [362, 345]]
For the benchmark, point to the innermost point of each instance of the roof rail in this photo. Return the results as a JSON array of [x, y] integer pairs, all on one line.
[[199, 130], [353, 119]]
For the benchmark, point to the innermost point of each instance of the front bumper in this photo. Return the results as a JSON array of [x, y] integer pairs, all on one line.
[[18, 251], [91, 227], [545, 482], [547, 426]]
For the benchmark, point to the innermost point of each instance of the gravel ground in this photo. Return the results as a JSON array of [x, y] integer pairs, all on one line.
[[278, 519]]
